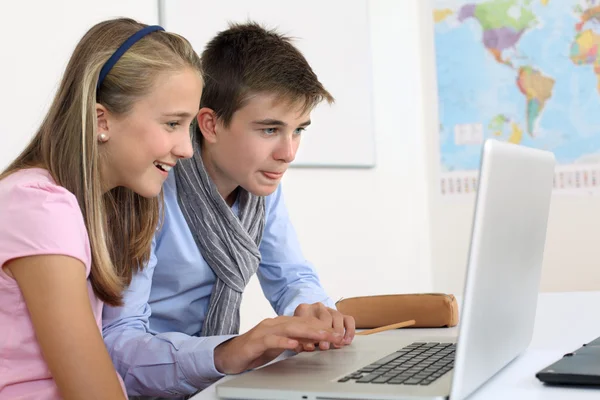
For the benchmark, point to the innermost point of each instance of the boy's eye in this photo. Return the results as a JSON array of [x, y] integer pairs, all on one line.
[[173, 124], [269, 131], [299, 131]]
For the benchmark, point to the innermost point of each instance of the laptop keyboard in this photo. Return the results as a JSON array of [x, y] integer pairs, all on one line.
[[416, 364]]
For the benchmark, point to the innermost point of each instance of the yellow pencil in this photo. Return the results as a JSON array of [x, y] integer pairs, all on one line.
[[387, 327]]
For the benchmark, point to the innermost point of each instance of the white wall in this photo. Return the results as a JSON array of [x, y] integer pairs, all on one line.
[[571, 258]]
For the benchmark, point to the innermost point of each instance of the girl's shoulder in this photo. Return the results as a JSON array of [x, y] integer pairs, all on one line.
[[29, 187], [40, 217]]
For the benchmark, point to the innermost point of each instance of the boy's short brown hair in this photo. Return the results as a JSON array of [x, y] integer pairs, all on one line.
[[247, 59]]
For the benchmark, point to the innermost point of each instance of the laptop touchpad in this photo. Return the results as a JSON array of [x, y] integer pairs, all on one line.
[[345, 356]]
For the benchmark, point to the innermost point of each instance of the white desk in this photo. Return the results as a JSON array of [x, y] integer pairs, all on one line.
[[564, 322]]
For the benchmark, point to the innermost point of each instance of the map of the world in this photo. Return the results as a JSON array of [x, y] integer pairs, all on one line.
[[522, 71]]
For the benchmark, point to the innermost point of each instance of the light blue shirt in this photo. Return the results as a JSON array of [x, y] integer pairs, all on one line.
[[154, 338]]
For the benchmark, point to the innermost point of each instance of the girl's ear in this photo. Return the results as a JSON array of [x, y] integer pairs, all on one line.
[[102, 117]]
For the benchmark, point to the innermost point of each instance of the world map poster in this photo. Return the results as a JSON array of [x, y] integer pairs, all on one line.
[[521, 71]]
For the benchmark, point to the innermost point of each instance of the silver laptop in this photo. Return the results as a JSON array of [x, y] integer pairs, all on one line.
[[497, 313]]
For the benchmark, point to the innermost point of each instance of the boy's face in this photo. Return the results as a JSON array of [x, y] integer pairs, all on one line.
[[255, 150]]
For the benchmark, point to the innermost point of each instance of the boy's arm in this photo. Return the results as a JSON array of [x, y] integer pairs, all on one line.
[[286, 277], [289, 281], [170, 363], [178, 364]]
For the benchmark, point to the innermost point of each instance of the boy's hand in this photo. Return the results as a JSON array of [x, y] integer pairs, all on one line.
[[271, 337], [342, 324]]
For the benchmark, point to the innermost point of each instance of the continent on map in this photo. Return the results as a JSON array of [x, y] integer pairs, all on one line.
[[501, 127], [503, 23], [591, 14], [440, 15], [537, 89], [584, 50]]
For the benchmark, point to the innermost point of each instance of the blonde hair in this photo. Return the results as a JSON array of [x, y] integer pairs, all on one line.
[[120, 223]]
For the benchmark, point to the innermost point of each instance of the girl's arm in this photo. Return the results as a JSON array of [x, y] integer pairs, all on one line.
[[55, 290]]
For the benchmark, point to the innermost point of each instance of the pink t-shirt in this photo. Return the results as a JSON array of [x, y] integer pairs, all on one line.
[[36, 217]]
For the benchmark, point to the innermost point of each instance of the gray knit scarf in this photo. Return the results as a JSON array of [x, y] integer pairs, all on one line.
[[228, 244]]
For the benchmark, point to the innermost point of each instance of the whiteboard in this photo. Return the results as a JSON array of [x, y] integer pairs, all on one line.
[[37, 38], [333, 35]]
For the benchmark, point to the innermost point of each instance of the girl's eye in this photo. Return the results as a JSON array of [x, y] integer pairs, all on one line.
[[269, 131], [173, 125], [299, 131]]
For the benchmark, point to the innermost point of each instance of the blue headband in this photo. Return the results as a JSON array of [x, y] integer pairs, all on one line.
[[121, 50]]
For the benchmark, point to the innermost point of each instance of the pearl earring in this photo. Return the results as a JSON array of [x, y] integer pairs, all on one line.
[[103, 138]]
